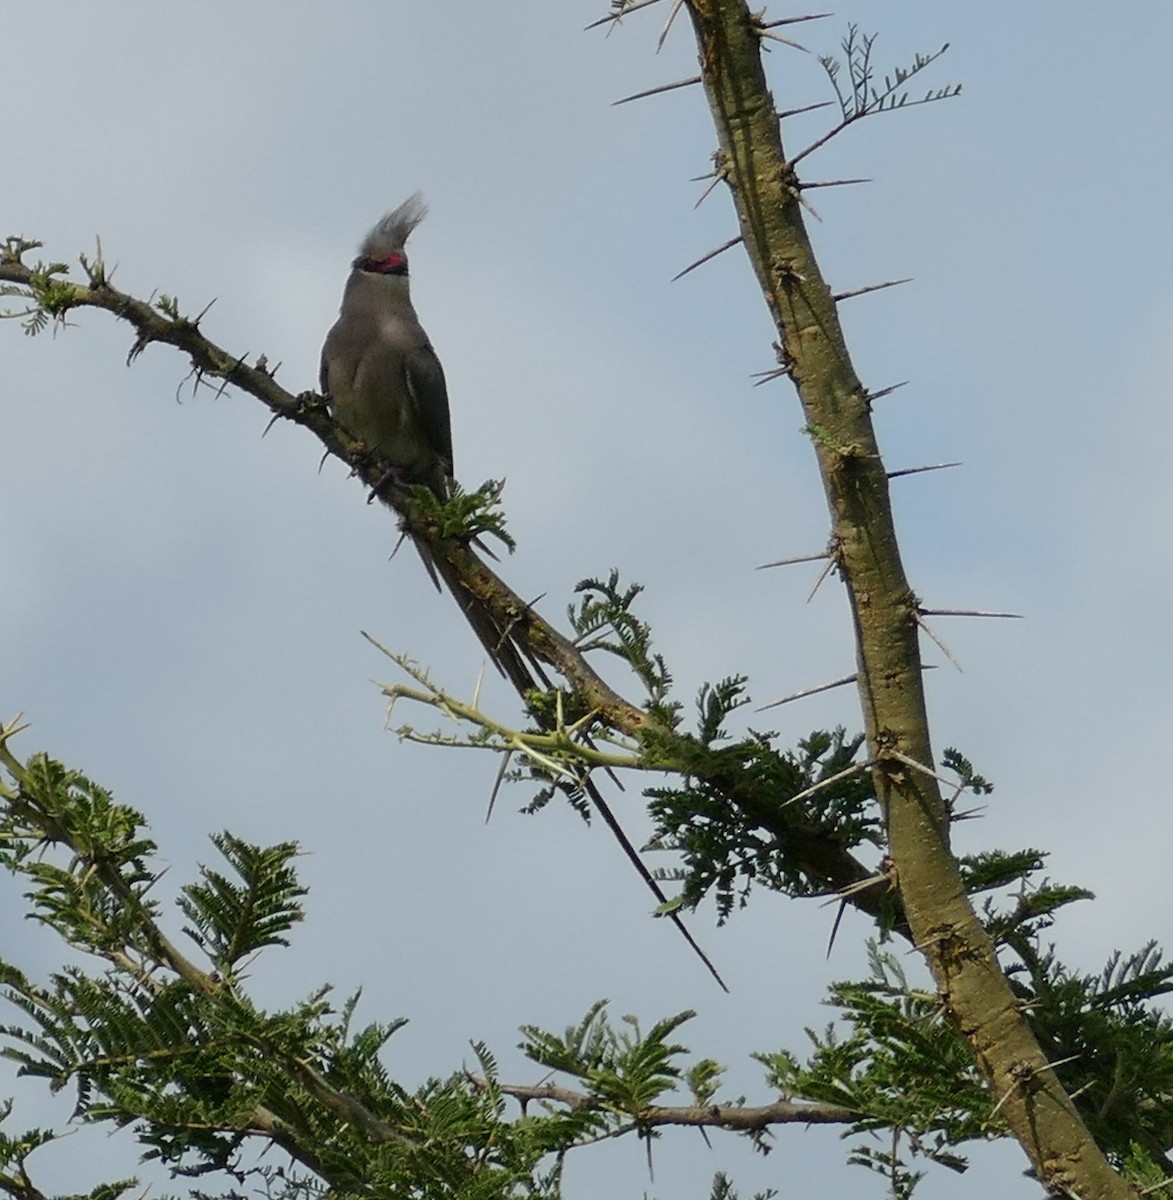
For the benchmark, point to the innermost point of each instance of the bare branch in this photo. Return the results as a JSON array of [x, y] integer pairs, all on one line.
[[712, 1116]]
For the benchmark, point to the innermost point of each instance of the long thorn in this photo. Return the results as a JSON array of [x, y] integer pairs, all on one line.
[[664, 87], [854, 769], [760, 377], [919, 766], [831, 561], [921, 470], [967, 612], [823, 687], [794, 20], [476, 691], [718, 176], [497, 785], [777, 37], [793, 112], [872, 287], [789, 562], [700, 262], [835, 927], [668, 24], [944, 649], [616, 17], [860, 885], [832, 183], [887, 391]]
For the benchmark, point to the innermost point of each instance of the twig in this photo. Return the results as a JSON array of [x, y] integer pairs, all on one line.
[[713, 1116]]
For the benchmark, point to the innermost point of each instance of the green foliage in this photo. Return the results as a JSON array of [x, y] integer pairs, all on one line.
[[178, 1053], [49, 294], [727, 847], [230, 921], [465, 516], [896, 1034], [604, 620], [703, 1079], [620, 1068], [967, 778], [723, 1190], [1113, 1049]]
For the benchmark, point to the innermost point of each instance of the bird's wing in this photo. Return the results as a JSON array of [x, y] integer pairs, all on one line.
[[425, 383]]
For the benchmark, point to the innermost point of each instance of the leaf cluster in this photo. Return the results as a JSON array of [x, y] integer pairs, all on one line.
[[604, 619], [178, 1052], [464, 516], [727, 848]]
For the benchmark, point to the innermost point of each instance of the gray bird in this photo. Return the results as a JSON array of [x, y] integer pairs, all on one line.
[[384, 382], [386, 387]]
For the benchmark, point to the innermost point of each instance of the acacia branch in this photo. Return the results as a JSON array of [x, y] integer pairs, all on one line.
[[831, 867], [739, 1117], [837, 407]]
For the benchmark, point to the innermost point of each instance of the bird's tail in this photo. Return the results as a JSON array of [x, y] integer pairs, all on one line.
[[506, 652]]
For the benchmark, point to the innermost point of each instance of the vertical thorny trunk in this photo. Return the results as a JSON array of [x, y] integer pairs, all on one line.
[[863, 542]]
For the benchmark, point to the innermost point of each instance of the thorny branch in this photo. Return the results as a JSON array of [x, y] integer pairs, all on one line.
[[766, 192], [744, 1118], [52, 297]]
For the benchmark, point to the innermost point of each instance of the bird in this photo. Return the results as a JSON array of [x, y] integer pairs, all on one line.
[[382, 377], [385, 386]]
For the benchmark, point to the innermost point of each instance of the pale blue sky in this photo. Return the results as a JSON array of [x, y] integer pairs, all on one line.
[[182, 601]]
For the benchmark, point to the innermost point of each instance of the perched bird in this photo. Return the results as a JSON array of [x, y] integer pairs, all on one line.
[[385, 387], [383, 380]]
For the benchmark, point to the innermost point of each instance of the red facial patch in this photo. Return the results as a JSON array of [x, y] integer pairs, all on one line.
[[392, 264]]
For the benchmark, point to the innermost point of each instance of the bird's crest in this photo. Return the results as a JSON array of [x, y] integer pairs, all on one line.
[[394, 228]]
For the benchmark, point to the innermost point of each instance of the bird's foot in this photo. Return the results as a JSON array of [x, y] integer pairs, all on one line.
[[394, 476], [312, 400]]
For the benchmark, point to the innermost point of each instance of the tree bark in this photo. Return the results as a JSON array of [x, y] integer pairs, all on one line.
[[884, 609]]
